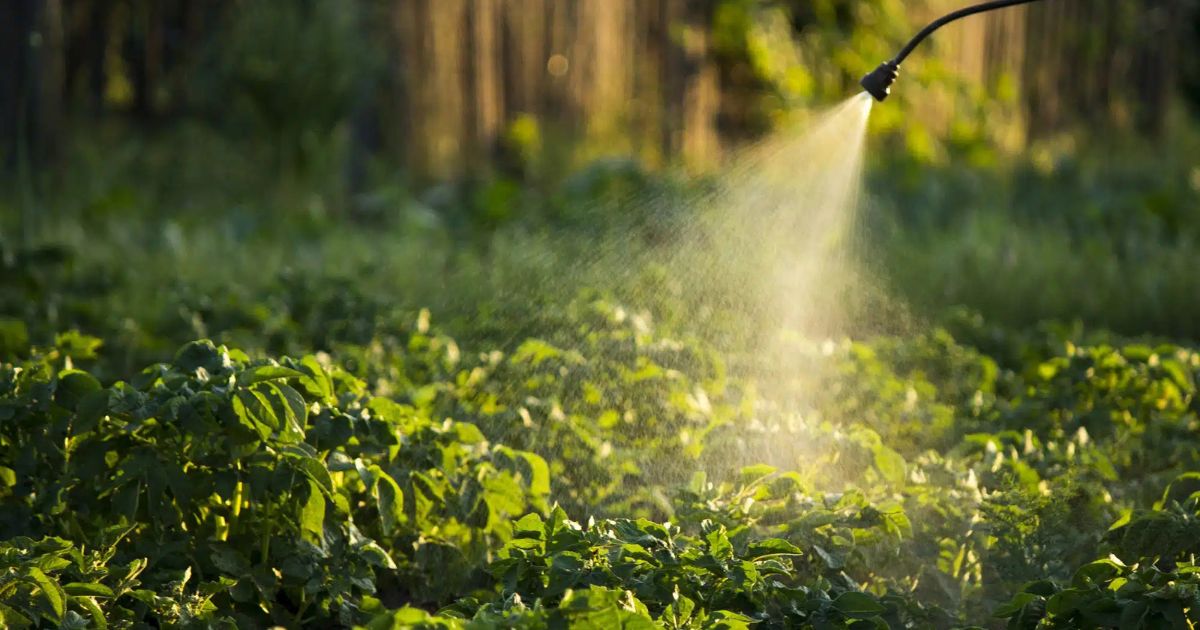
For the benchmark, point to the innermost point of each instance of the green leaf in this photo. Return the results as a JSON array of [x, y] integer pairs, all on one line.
[[534, 352], [259, 402], [288, 405], [229, 560], [1181, 488], [504, 499], [719, 545], [599, 608], [1137, 352], [399, 619], [91, 589], [312, 515], [772, 547], [1095, 573], [1014, 605], [14, 337], [1178, 374], [376, 556], [77, 345], [126, 500], [201, 354], [890, 464], [1134, 615], [1172, 611], [144, 596], [566, 570], [52, 563], [858, 605], [8, 477], [467, 433], [728, 620], [92, 407], [10, 618], [698, 482], [427, 493], [94, 611], [529, 526], [1069, 600], [262, 373], [73, 621], [755, 473], [681, 609], [315, 380], [315, 470], [1045, 588], [55, 598], [246, 407], [73, 386], [389, 500], [538, 475]]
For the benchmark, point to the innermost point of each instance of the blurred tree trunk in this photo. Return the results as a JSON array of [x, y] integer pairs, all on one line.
[[96, 28], [52, 68], [599, 77], [398, 127], [429, 34], [145, 52], [31, 71], [1106, 64], [556, 64], [365, 138], [649, 104], [31, 76], [1057, 66], [696, 70], [523, 54], [607, 77], [672, 85], [18, 77], [1156, 55], [484, 63], [602, 83]]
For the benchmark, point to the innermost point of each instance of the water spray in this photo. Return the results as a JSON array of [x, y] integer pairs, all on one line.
[[878, 82]]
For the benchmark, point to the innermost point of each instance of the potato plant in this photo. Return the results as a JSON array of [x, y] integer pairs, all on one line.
[[609, 472]]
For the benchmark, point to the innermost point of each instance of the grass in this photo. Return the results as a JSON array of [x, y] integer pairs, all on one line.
[[1108, 236], [1112, 244], [1019, 275]]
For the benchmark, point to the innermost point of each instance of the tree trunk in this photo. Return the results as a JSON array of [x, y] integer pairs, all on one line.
[[19, 91], [700, 146], [365, 137]]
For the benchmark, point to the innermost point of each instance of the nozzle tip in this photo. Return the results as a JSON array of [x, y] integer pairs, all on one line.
[[878, 82]]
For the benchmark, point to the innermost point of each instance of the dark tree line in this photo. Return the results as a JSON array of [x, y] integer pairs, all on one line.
[[437, 84]]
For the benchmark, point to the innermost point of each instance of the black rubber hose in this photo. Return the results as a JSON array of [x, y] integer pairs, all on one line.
[[950, 17], [878, 83]]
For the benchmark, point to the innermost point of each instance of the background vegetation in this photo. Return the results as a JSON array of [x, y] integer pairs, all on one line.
[[1051, 146]]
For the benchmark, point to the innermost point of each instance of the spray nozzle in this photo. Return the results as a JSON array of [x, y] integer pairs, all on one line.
[[879, 81]]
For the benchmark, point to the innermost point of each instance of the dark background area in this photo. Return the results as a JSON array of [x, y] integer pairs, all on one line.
[[1051, 146]]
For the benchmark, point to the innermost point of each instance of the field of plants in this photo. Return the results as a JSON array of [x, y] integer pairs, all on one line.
[[441, 314], [337, 455]]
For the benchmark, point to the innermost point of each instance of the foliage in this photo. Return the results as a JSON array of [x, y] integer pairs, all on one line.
[[250, 477], [530, 460], [219, 489], [295, 68], [559, 462], [50, 581], [1157, 589]]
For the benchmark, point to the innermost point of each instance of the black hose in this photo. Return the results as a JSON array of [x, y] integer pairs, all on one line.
[[946, 19], [878, 82]]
